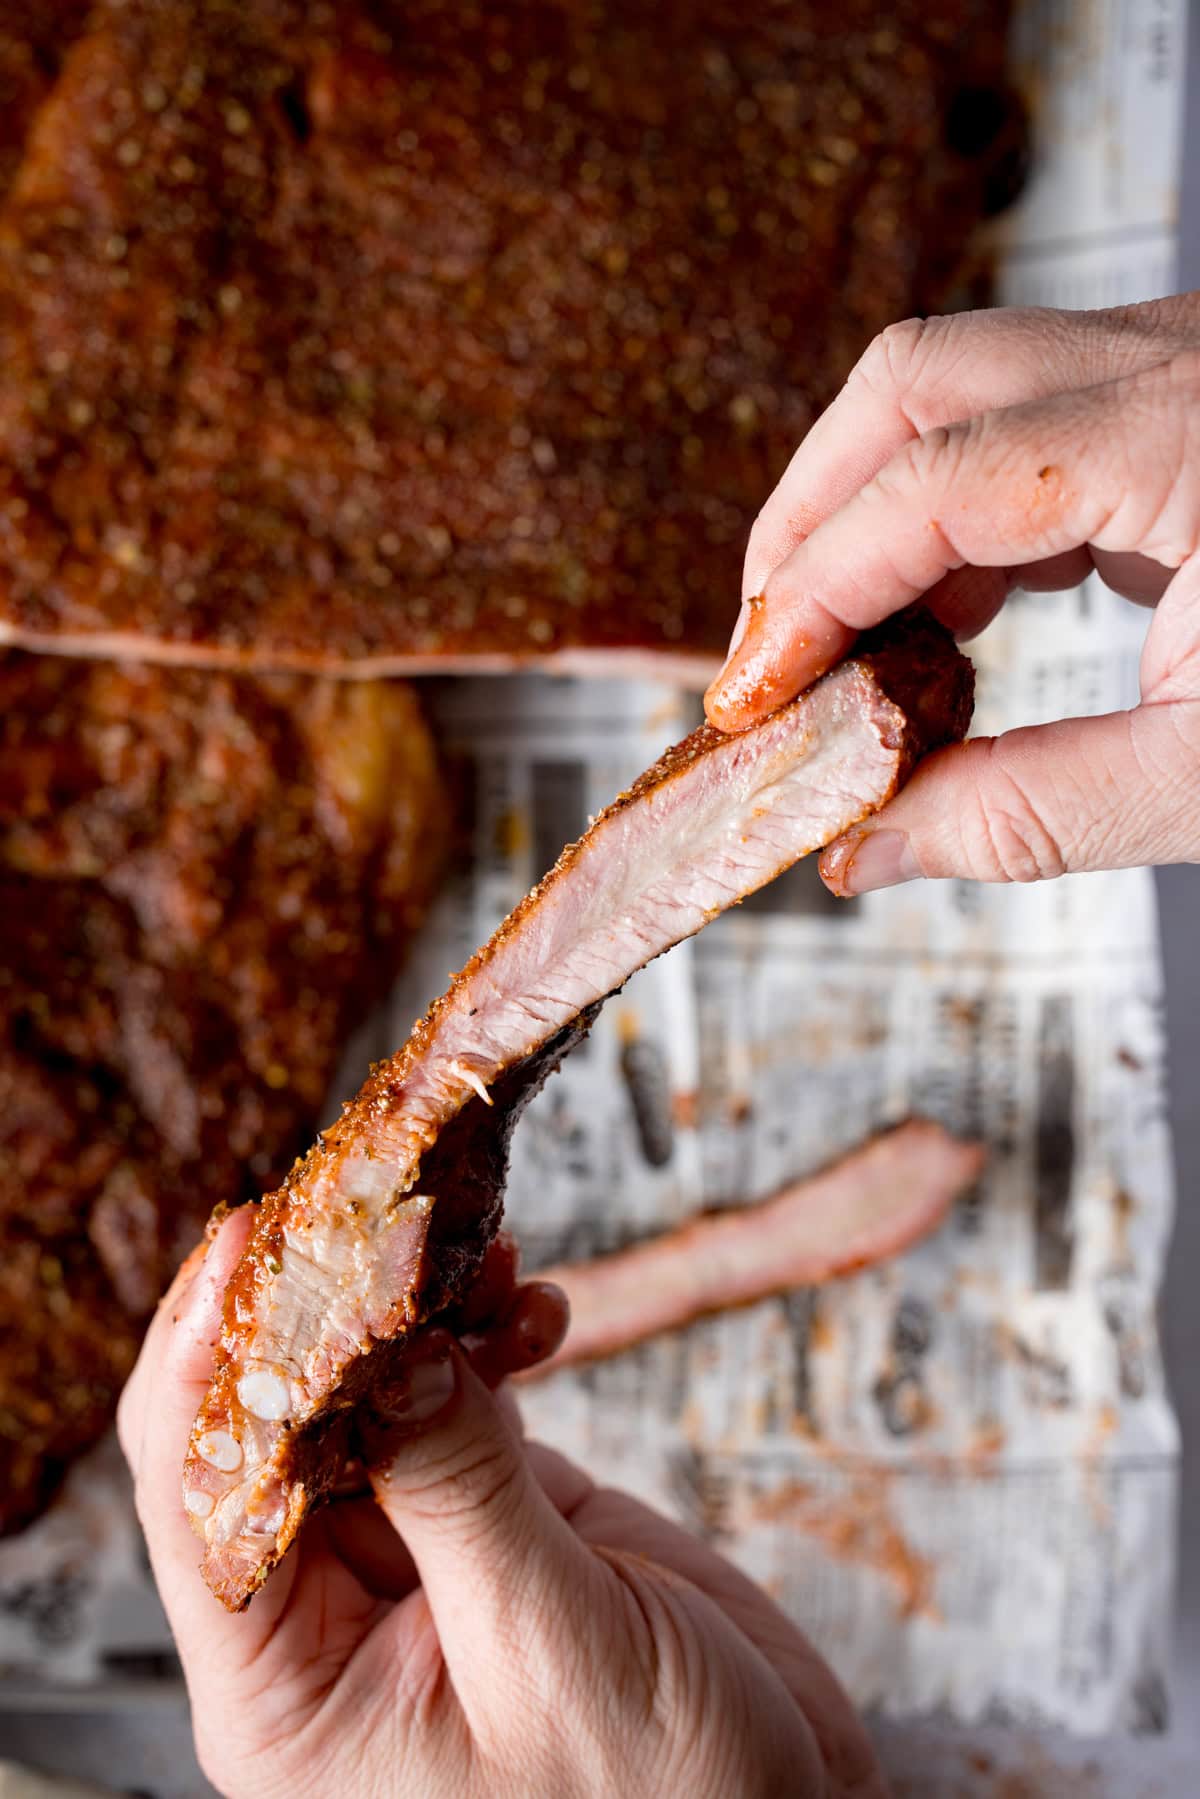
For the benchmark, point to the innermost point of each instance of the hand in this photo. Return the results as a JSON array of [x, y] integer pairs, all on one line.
[[967, 456], [493, 1625]]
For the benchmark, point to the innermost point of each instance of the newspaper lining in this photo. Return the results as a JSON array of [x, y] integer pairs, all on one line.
[[957, 1470]]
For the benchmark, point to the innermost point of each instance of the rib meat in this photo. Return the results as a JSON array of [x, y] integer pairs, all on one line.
[[396, 334], [873, 1203], [202, 880], [387, 1219]]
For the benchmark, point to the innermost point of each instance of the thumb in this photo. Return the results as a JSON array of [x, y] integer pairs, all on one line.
[[505, 1576], [1119, 791]]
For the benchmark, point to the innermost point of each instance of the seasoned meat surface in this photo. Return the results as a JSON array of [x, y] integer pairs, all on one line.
[[388, 335], [34, 37], [203, 880], [66, 1346], [388, 1218]]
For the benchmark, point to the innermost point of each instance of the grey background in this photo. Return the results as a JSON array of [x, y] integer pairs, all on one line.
[[1179, 901]]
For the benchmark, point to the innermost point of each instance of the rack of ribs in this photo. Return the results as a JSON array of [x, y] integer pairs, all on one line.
[[387, 1219], [394, 336], [204, 877]]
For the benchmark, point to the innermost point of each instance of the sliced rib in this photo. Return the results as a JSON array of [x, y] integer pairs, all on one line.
[[878, 1200], [386, 1220]]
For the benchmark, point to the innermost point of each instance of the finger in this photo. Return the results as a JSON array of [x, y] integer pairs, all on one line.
[[367, 1543], [611, 1520], [920, 373], [1170, 664], [171, 1377], [1138, 578], [186, 1306], [603, 1518], [916, 374], [565, 1484], [533, 1330], [132, 1405], [1119, 791], [1116, 466], [490, 1295], [494, 1556], [285, 1650], [968, 599]]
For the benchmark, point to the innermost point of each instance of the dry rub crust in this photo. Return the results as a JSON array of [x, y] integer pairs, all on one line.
[[203, 879], [331, 335]]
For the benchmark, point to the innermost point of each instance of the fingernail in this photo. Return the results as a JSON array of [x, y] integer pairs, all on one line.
[[430, 1387], [424, 1384], [737, 637], [726, 693], [869, 861], [543, 1323], [739, 629]]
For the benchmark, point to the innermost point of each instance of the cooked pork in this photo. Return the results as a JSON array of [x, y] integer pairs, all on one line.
[[34, 37], [394, 334], [873, 1203], [203, 879], [387, 1218], [67, 1345]]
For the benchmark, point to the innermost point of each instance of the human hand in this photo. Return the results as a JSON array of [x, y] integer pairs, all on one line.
[[967, 456], [490, 1623]]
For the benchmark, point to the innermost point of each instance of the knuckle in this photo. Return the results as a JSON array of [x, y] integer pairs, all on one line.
[[1162, 814], [1174, 319], [1159, 447], [931, 461], [1183, 763], [915, 363], [480, 1480], [1183, 370], [761, 546], [1099, 344], [933, 452], [892, 362], [1007, 838]]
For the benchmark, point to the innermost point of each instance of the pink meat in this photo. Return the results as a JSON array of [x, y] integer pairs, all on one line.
[[875, 1202], [386, 1220], [688, 668]]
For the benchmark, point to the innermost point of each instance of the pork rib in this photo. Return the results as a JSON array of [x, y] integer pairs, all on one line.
[[386, 1220], [876, 1201], [203, 881], [418, 334]]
